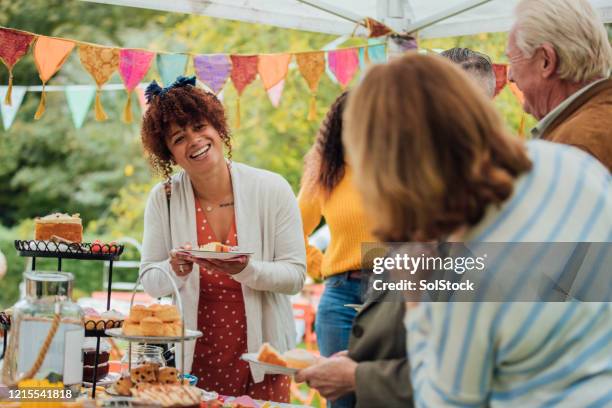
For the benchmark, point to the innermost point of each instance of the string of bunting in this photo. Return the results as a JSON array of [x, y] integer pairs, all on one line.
[[213, 70]]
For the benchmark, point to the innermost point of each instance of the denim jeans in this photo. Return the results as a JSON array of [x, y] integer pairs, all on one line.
[[334, 321]]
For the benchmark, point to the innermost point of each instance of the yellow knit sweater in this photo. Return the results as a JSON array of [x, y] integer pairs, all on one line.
[[346, 218]]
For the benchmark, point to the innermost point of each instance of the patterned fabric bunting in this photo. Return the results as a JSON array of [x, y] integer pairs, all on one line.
[[213, 70], [101, 63], [374, 54], [343, 64], [312, 67], [79, 101], [133, 66], [13, 46], [376, 28], [273, 70], [501, 77], [49, 56], [244, 71], [170, 66], [10, 111]]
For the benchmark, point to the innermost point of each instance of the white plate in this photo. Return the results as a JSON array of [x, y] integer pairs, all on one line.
[[267, 367], [215, 255], [189, 335], [110, 378]]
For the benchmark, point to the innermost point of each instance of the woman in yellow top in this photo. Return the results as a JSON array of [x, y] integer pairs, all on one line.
[[328, 192]]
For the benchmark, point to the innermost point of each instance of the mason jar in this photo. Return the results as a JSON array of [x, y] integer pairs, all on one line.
[[142, 354], [47, 294]]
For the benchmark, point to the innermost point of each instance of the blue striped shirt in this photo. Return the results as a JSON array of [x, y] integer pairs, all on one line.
[[525, 354]]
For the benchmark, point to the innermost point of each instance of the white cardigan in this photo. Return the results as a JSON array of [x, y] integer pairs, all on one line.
[[268, 224]]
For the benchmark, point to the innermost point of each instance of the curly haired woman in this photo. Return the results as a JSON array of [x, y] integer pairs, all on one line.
[[327, 191], [238, 304]]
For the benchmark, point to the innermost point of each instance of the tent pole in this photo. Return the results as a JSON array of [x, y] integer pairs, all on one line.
[[443, 15], [338, 12]]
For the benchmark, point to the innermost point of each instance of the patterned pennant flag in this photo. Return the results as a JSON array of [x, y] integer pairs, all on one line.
[[133, 66], [343, 64], [9, 111], [312, 67], [13, 46], [170, 66], [79, 101], [501, 77], [273, 70], [101, 63], [213, 70], [49, 56], [244, 71]]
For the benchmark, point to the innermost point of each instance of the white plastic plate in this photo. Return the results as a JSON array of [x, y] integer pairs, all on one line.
[[118, 333], [214, 255], [267, 367]]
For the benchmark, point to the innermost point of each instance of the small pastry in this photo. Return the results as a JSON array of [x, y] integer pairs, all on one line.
[[131, 328], [151, 326], [123, 385], [167, 313], [146, 373], [168, 375], [140, 312]]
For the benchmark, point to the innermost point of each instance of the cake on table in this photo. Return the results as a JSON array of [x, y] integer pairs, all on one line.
[[68, 227]]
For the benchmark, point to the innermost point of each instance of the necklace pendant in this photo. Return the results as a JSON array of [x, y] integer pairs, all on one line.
[[209, 208]]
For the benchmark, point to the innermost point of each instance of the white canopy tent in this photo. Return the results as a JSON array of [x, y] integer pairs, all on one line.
[[433, 18]]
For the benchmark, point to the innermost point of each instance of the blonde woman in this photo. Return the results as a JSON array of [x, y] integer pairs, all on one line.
[[452, 170]]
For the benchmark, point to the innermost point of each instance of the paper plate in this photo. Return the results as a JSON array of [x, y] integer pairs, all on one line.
[[267, 367], [215, 255], [110, 378]]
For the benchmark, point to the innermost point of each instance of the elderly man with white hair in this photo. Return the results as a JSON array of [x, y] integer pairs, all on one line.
[[560, 58]]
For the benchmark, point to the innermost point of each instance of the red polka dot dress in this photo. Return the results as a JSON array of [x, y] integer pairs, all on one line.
[[222, 320]]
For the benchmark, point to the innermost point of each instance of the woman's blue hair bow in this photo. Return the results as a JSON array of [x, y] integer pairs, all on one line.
[[153, 89]]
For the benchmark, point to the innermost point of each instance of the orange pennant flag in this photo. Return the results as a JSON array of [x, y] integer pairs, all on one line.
[[49, 56], [273, 70], [312, 67], [101, 63]]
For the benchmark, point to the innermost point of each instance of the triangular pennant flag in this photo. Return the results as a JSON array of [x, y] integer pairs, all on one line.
[[312, 67], [49, 56], [377, 54], [13, 46], [343, 64], [273, 70], [79, 101], [101, 63], [170, 66], [501, 77], [9, 111], [244, 71], [213, 70], [376, 28], [133, 66], [142, 100]]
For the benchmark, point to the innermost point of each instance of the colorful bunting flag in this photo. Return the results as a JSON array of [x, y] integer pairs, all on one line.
[[133, 66], [9, 111], [343, 64], [79, 101], [142, 100], [273, 70], [13, 46], [101, 63], [501, 77], [213, 70], [170, 66], [376, 28], [244, 71], [312, 67], [49, 56]]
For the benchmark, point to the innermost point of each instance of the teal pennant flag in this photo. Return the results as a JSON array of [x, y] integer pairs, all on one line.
[[171, 66], [79, 101], [9, 112]]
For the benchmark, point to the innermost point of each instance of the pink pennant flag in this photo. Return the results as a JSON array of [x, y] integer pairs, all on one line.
[[343, 64], [272, 70], [133, 66]]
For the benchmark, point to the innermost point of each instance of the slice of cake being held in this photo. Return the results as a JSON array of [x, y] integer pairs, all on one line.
[[268, 354], [216, 247]]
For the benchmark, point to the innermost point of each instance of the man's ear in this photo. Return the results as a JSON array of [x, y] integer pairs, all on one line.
[[548, 60]]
